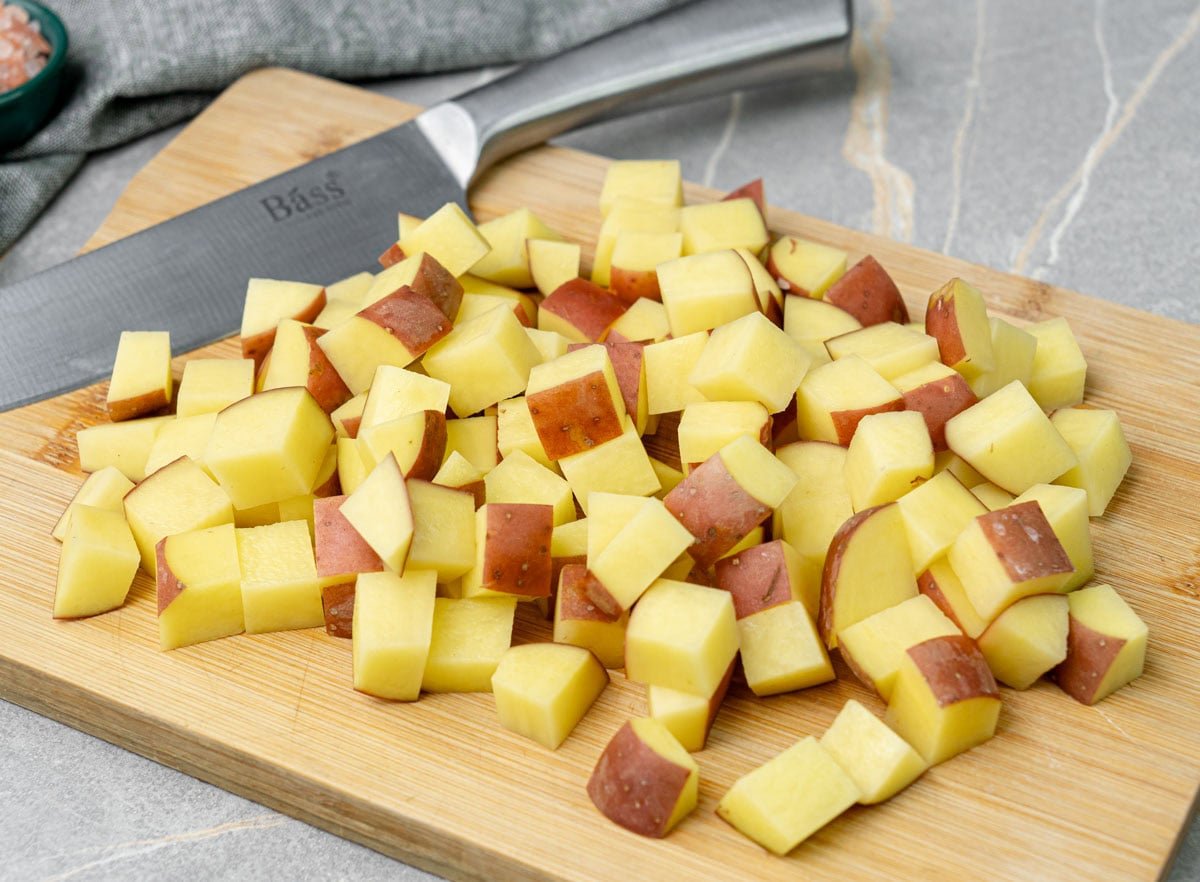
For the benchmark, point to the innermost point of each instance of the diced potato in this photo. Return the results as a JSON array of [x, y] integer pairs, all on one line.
[[348, 418], [750, 359], [875, 647], [1101, 450], [476, 439], [934, 513], [957, 318], [941, 585], [668, 365], [617, 466], [280, 587], [890, 349], [448, 236], [393, 627], [938, 393], [552, 264], [297, 359], [630, 214], [443, 530], [199, 587], [512, 551], [1013, 350], [688, 717], [993, 497], [645, 781], [805, 268], [790, 797], [1059, 369], [818, 505], [1106, 645], [867, 293], [575, 402], [124, 446], [880, 762], [681, 636], [141, 378], [707, 426], [515, 431], [645, 321], [519, 478], [642, 547], [98, 562], [715, 226], [834, 397], [580, 310], [470, 636], [763, 576], [396, 392], [658, 181], [269, 301], [212, 384], [579, 621], [549, 344], [889, 454], [508, 260], [635, 258], [781, 650], [543, 690], [1026, 640], [1066, 509], [185, 436], [104, 489], [705, 291], [485, 360], [381, 512]]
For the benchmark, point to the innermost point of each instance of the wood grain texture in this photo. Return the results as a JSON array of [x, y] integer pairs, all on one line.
[[1064, 791]]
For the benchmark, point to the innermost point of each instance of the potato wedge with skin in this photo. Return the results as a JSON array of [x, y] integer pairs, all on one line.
[[212, 384], [1059, 368], [581, 622], [781, 650], [141, 380], [688, 717], [98, 562], [889, 454], [1009, 440], [644, 780], [875, 647], [397, 392], [880, 762], [764, 576], [280, 587], [868, 569], [269, 301], [470, 636], [705, 291], [1026, 640], [199, 587], [422, 273], [393, 627], [457, 473], [341, 553], [938, 393], [175, 499], [681, 636], [1106, 645], [380, 511], [935, 513], [770, 295], [1008, 554], [1102, 453], [485, 360], [629, 365], [416, 440], [957, 318], [803, 268], [512, 551], [543, 690], [833, 399], [297, 360], [867, 292], [635, 259], [750, 359], [580, 310], [787, 799], [945, 699], [104, 489]]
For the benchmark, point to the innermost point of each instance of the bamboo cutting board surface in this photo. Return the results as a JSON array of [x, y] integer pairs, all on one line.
[[1063, 791]]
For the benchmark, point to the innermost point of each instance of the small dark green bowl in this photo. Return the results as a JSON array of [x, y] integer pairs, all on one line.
[[24, 109]]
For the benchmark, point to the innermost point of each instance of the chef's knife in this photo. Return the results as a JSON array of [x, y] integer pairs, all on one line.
[[326, 219]]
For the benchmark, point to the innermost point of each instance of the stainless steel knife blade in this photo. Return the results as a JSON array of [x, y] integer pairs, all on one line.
[[331, 217]]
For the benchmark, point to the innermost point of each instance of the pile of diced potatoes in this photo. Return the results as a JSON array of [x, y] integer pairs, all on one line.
[[404, 458]]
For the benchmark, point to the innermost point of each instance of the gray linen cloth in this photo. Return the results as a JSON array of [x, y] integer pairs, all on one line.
[[140, 65]]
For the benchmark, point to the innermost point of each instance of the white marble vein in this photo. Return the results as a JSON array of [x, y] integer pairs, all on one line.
[[1101, 145], [714, 158], [964, 125]]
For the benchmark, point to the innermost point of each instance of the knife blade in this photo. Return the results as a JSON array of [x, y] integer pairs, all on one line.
[[330, 217]]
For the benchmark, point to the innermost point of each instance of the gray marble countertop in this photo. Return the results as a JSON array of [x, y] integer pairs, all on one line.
[[1050, 139]]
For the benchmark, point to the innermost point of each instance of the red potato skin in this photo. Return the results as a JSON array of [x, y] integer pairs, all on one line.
[[928, 585], [1090, 654], [938, 402], [433, 448], [1011, 533], [392, 256], [337, 602], [516, 556], [574, 416], [868, 293], [715, 509], [698, 575], [785, 428], [331, 487], [845, 422], [752, 191], [626, 358], [325, 384], [557, 565], [757, 578], [955, 669], [256, 346], [634, 787], [718, 696], [352, 425], [167, 584], [941, 325], [340, 550], [412, 318], [586, 306], [575, 603], [631, 285], [434, 281], [838, 546], [138, 406]]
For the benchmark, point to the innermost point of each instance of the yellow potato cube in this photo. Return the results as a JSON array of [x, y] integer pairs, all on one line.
[[715, 226], [352, 289], [805, 268], [934, 513], [1013, 351], [393, 628], [544, 689], [668, 365], [635, 258], [790, 797], [549, 344], [515, 431], [175, 499], [992, 497], [141, 378], [889, 455], [104, 489], [1102, 452], [551, 264], [1026, 640], [818, 504], [941, 585], [1066, 509], [644, 322], [668, 476], [1009, 441], [269, 447], [704, 291], [579, 621], [1106, 645], [781, 650], [456, 472], [351, 468], [750, 359], [212, 384], [707, 426], [519, 478], [811, 322], [125, 446], [875, 647], [880, 762], [643, 546], [687, 717], [470, 636], [957, 318], [449, 237], [185, 436], [1059, 369], [659, 181], [98, 562], [949, 461], [833, 399], [280, 587], [629, 214], [891, 349], [396, 392], [199, 587], [681, 636], [485, 360], [380, 510], [617, 466], [348, 418], [443, 530], [507, 261], [476, 439]]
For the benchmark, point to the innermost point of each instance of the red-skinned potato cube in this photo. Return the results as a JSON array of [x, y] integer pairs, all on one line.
[[868, 293], [512, 551], [937, 393], [752, 191], [424, 275], [761, 577], [340, 550], [580, 310], [297, 360], [337, 603]]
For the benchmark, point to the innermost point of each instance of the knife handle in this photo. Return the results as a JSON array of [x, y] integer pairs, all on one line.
[[703, 48]]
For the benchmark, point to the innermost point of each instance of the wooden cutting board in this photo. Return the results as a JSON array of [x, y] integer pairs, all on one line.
[[1063, 791]]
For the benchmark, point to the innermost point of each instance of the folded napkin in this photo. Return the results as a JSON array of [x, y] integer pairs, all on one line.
[[135, 66]]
